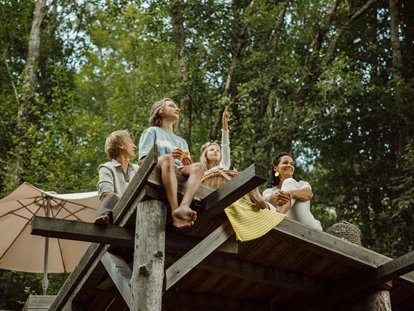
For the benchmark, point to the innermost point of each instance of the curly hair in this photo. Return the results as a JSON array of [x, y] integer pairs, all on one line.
[[203, 157], [113, 141], [274, 180]]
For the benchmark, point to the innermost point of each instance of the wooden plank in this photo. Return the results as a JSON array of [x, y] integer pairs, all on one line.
[[197, 254], [92, 256], [394, 268], [78, 276], [148, 268], [326, 245], [262, 274], [38, 302], [120, 274], [214, 203], [82, 231], [208, 302]]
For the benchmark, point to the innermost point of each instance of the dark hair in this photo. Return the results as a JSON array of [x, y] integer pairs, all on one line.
[[274, 181]]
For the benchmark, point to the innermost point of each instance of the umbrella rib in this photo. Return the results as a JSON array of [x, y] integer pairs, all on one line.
[[28, 219], [62, 206], [61, 256], [24, 207], [17, 236]]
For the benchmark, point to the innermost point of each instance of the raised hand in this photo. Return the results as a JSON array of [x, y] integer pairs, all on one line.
[[225, 119]]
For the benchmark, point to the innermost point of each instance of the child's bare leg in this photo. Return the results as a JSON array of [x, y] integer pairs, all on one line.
[[183, 218], [257, 198], [194, 172]]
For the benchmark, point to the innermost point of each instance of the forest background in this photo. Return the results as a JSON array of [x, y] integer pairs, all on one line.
[[330, 81]]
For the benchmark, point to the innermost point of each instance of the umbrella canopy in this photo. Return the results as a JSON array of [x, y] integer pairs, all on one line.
[[21, 251]]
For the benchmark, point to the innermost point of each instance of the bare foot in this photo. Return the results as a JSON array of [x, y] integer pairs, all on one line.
[[257, 198], [183, 217], [102, 220]]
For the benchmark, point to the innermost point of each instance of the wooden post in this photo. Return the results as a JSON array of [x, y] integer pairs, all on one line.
[[149, 254], [378, 300]]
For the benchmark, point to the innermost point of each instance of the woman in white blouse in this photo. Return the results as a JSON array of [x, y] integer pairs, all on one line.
[[289, 196]]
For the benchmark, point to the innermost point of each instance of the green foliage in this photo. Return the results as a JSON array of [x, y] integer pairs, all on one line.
[[345, 119]]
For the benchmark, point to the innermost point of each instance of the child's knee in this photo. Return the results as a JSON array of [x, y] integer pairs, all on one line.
[[166, 161], [198, 167], [290, 183]]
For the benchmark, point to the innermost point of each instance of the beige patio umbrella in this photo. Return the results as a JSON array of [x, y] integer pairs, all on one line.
[[21, 251]]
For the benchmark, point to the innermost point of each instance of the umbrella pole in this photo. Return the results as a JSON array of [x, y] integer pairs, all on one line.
[[45, 281]]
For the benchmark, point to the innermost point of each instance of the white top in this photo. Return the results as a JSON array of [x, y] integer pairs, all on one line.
[[269, 191], [225, 154]]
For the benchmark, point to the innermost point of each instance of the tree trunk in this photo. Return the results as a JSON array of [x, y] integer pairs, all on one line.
[[28, 86], [397, 81], [183, 69]]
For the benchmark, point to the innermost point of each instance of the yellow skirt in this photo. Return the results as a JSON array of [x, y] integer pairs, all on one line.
[[250, 222]]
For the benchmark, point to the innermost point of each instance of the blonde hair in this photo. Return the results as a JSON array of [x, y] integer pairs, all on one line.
[[113, 141], [203, 157], [157, 112]]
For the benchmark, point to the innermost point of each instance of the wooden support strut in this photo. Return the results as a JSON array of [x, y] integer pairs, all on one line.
[[181, 267], [120, 273]]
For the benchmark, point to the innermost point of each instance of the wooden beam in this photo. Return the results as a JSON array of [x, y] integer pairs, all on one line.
[[230, 192], [115, 235], [196, 301], [326, 245], [178, 243], [78, 277], [197, 254], [92, 257], [262, 274], [394, 268], [367, 281], [148, 268], [82, 231], [120, 274]]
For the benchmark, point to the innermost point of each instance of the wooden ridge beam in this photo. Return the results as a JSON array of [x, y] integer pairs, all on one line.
[[263, 275], [230, 192], [92, 257], [209, 302], [120, 273]]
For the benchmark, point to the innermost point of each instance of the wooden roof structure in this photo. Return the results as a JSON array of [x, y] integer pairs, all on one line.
[[139, 263]]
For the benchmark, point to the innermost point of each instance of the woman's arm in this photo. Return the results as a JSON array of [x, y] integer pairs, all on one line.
[[304, 194], [225, 142]]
